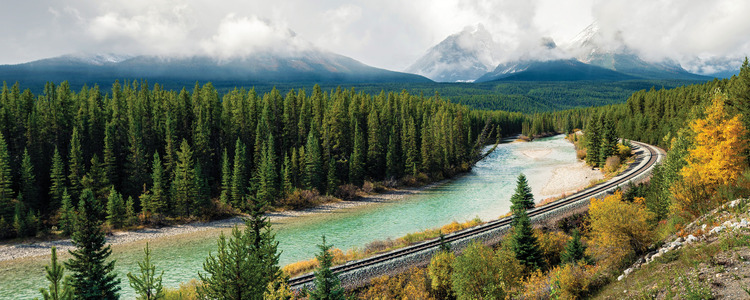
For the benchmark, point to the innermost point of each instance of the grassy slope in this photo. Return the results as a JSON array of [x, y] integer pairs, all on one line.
[[715, 267]]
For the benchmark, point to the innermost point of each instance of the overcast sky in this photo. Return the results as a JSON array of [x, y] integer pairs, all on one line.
[[389, 34]]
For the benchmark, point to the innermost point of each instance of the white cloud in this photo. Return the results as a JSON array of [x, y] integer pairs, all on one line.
[[154, 31], [242, 36], [385, 33]]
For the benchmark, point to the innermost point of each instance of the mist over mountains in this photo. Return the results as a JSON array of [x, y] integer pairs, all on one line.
[[591, 55]]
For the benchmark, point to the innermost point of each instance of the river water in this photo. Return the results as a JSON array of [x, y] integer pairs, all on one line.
[[483, 193]]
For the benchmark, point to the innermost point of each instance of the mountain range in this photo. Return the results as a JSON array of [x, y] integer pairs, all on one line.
[[470, 55], [589, 56], [308, 66]]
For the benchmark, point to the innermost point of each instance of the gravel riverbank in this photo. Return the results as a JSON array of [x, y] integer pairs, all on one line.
[[32, 249]]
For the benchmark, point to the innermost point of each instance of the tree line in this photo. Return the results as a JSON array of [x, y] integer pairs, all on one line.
[[148, 153]]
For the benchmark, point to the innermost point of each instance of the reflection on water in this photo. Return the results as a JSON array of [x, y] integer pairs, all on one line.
[[484, 192]]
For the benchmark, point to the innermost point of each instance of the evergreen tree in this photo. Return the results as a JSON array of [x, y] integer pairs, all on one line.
[[28, 182], [245, 265], [226, 178], [267, 174], [286, 177], [67, 214], [357, 158], [96, 179], [522, 199], [574, 249], [6, 182], [238, 184], [131, 216], [158, 201], [75, 163], [593, 140], [375, 157], [110, 154], [332, 180], [264, 245], [19, 221], [201, 200], [327, 283], [58, 289], [313, 163], [57, 178], [392, 157], [523, 242], [136, 160], [116, 213], [93, 277], [184, 180], [147, 285], [608, 144], [410, 148]]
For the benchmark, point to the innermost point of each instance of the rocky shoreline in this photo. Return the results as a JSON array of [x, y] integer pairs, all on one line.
[[41, 248]]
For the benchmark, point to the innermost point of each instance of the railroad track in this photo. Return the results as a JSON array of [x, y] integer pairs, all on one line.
[[637, 170]]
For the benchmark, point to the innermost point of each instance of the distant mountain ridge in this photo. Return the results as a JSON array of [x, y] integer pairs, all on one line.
[[552, 70], [310, 66], [451, 60]]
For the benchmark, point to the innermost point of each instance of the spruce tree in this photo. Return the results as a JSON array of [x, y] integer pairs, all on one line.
[[287, 184], [57, 179], [116, 214], [93, 277], [158, 201], [245, 264], [184, 180], [239, 180], [67, 214], [6, 182], [131, 215], [96, 179], [75, 163], [574, 249], [58, 289], [375, 157], [393, 166], [19, 221], [593, 140], [226, 177], [523, 242], [264, 245], [357, 158], [266, 172], [147, 285], [522, 199], [110, 154], [313, 163], [327, 283], [28, 182]]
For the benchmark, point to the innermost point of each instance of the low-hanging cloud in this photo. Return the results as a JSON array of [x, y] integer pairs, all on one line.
[[243, 36], [387, 33]]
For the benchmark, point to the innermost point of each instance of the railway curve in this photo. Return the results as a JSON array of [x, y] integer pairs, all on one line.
[[359, 272]]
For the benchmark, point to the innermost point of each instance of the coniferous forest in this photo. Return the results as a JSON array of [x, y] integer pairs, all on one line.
[[148, 154]]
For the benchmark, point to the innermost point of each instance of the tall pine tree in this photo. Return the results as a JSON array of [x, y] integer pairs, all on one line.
[[327, 283], [93, 276]]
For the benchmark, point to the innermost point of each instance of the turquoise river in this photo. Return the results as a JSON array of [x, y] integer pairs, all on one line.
[[484, 192]]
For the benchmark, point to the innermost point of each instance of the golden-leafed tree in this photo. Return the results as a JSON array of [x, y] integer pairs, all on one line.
[[618, 229], [717, 158]]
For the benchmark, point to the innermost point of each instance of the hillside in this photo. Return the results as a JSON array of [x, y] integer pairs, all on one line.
[[553, 70], [310, 66], [708, 259]]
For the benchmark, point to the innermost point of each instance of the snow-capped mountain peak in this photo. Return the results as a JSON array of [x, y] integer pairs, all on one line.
[[463, 56]]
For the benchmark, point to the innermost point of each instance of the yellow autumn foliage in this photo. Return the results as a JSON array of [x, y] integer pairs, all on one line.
[[717, 158], [618, 229]]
